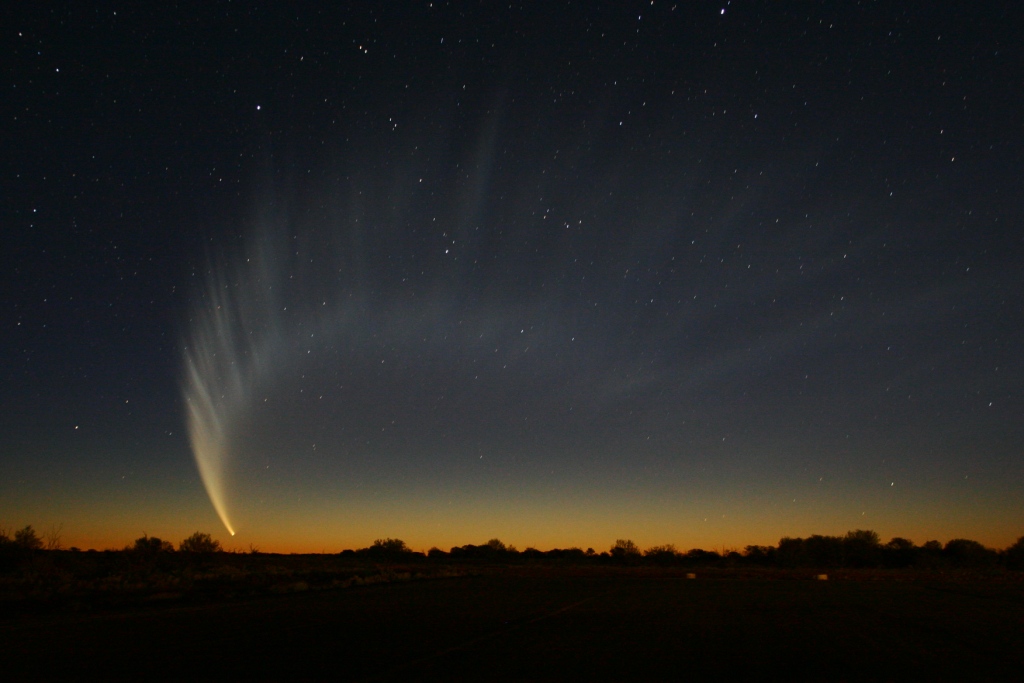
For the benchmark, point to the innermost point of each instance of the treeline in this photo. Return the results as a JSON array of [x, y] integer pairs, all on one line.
[[27, 539], [858, 549], [863, 549]]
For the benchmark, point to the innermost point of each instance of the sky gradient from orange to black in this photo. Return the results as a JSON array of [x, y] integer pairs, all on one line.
[[707, 274]]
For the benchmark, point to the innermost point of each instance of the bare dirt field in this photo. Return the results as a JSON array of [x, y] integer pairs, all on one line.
[[548, 624]]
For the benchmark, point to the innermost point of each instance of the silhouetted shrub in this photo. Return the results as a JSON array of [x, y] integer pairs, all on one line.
[[494, 549], [390, 545], [387, 549], [199, 543], [150, 545]]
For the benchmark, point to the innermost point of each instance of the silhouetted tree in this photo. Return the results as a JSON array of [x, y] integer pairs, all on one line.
[[27, 538], [199, 543], [662, 554], [961, 552], [929, 555], [52, 539], [700, 557], [8, 552], [791, 552], [760, 555], [861, 548], [625, 551], [494, 549], [1015, 555], [573, 554], [899, 552], [824, 551]]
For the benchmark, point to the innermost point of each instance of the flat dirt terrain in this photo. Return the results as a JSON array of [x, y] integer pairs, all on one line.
[[547, 625]]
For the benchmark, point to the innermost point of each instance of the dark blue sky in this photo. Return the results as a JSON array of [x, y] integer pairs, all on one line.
[[693, 273]]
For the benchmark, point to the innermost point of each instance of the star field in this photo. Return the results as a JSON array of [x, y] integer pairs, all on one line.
[[558, 273]]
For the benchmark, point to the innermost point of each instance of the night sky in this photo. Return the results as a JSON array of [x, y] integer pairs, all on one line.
[[558, 273]]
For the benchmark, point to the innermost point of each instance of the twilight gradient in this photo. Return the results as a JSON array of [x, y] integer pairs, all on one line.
[[553, 273]]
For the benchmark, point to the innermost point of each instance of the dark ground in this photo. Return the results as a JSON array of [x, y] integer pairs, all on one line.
[[548, 625]]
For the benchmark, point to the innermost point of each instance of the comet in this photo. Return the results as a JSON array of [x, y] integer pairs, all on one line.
[[231, 335]]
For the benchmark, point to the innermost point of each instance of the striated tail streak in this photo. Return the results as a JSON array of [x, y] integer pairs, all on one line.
[[206, 434], [231, 332]]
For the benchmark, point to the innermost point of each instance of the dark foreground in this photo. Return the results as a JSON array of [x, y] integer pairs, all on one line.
[[548, 626]]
